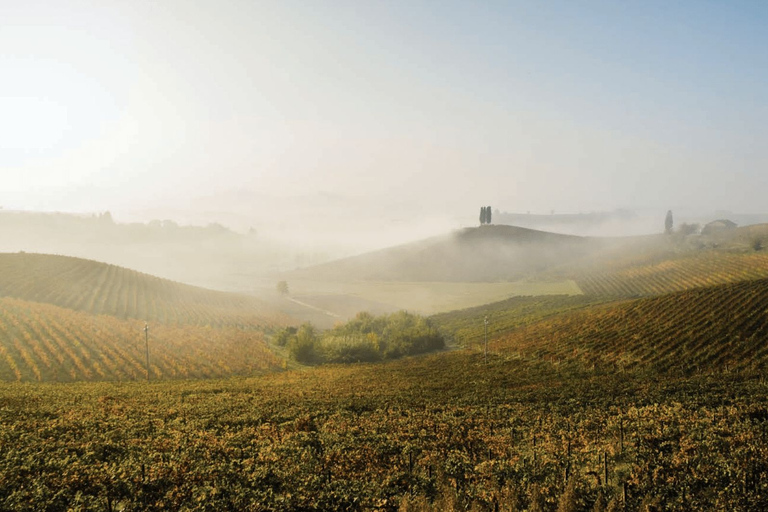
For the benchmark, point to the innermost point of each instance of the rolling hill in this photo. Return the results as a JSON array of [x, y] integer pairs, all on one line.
[[103, 289], [482, 254], [584, 401], [478, 266], [675, 273], [701, 329], [42, 342], [66, 319]]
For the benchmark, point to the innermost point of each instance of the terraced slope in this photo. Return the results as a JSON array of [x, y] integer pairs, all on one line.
[[696, 330], [41, 342], [102, 289]]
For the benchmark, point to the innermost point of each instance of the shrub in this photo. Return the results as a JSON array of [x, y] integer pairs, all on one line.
[[365, 338]]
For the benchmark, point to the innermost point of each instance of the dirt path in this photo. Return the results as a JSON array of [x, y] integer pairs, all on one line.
[[310, 306]]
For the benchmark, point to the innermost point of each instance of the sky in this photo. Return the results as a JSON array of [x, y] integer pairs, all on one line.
[[396, 109]]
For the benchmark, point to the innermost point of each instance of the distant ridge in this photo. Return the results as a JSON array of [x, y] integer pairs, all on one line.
[[103, 289], [480, 254]]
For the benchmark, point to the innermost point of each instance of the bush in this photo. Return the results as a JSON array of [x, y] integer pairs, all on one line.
[[688, 229], [365, 338], [284, 336], [303, 347]]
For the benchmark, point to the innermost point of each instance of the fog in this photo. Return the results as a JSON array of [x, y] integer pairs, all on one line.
[[334, 128]]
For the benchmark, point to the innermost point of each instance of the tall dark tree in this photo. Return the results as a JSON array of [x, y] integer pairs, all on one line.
[[482, 215], [488, 214], [668, 223]]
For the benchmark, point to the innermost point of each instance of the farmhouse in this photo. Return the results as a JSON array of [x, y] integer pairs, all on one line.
[[716, 226]]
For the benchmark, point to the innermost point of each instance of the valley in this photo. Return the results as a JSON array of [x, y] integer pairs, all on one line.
[[611, 372]]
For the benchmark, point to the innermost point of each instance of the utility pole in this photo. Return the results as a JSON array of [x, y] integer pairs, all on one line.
[[486, 340], [146, 338]]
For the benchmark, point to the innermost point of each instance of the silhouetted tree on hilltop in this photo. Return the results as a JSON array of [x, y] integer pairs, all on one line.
[[668, 223], [485, 215]]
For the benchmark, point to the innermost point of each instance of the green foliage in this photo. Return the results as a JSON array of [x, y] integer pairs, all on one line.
[[282, 287], [366, 338], [284, 336], [303, 348]]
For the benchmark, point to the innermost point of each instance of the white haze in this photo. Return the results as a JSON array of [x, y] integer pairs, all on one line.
[[348, 125]]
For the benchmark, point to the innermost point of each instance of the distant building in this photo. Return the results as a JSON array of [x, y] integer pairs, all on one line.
[[717, 226]]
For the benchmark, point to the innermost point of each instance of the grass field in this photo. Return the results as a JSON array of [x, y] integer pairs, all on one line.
[[430, 297]]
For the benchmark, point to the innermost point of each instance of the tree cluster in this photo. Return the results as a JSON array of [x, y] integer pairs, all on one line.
[[485, 215], [365, 338]]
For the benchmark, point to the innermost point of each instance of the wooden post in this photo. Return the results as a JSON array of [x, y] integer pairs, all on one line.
[[621, 435], [146, 337]]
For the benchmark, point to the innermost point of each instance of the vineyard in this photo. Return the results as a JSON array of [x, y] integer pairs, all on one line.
[[584, 403], [703, 329], [674, 273], [102, 289], [40, 342], [445, 432], [466, 327]]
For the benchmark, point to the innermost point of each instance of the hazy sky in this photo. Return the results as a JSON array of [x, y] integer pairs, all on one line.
[[536, 105]]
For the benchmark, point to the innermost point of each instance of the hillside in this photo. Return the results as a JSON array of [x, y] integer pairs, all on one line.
[[703, 329], [445, 432], [42, 342], [581, 405], [466, 327], [102, 289], [674, 272], [482, 254]]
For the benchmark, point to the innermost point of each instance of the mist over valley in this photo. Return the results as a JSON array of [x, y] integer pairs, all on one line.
[[392, 256]]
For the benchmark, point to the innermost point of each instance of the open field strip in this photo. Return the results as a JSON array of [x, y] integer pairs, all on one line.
[[433, 297]]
